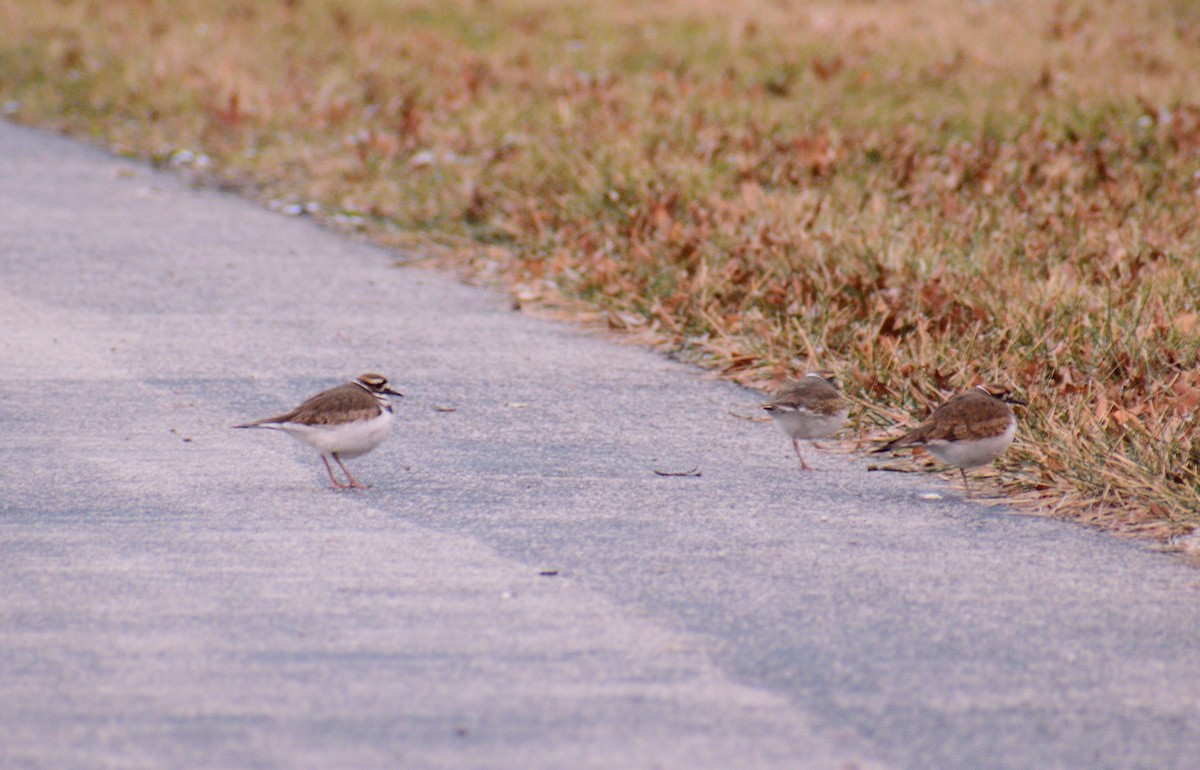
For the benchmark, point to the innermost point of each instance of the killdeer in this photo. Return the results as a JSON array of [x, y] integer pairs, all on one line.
[[342, 422], [968, 431], [809, 408]]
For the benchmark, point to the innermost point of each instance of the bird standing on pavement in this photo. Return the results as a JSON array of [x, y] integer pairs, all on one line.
[[809, 408], [968, 431], [343, 422]]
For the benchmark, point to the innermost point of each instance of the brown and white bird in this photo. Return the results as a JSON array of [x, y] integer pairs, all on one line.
[[343, 422], [968, 431], [809, 408]]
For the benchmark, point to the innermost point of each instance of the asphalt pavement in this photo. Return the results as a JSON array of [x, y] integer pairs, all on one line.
[[518, 588]]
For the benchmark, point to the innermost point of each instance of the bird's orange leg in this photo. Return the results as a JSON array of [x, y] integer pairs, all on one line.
[[336, 484], [803, 465], [353, 481]]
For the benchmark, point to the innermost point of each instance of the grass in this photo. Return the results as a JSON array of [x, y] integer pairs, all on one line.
[[919, 195]]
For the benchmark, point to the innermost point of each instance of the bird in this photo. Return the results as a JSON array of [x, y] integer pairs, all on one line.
[[343, 422], [969, 430], [809, 408]]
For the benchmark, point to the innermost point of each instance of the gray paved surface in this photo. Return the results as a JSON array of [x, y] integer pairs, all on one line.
[[177, 594]]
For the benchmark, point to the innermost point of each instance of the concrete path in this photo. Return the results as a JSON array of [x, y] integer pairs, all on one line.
[[518, 589]]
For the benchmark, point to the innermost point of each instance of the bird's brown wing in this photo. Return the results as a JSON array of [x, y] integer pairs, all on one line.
[[338, 404], [971, 415], [966, 416], [810, 394]]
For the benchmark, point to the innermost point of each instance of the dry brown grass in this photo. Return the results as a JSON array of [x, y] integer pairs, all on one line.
[[918, 194]]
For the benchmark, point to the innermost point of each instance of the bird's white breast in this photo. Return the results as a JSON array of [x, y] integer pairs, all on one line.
[[347, 440], [973, 453], [808, 425]]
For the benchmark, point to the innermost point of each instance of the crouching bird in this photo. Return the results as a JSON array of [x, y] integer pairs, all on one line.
[[969, 430]]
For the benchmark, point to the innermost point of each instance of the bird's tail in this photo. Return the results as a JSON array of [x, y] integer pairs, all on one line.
[[896, 443], [268, 422]]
